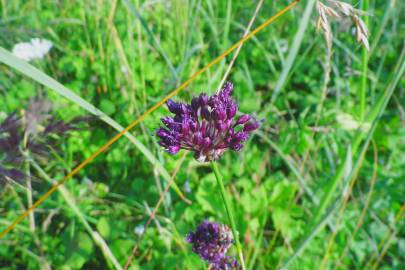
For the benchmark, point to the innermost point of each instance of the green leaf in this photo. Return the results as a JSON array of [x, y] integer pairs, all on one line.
[[82, 247], [107, 106], [208, 195], [103, 227]]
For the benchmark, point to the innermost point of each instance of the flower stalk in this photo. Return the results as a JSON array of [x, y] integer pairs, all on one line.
[[229, 212], [364, 67]]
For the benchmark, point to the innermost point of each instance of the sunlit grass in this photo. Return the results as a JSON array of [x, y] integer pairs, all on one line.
[[309, 190]]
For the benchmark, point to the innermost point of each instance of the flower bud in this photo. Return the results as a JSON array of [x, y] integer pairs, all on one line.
[[242, 119], [251, 126]]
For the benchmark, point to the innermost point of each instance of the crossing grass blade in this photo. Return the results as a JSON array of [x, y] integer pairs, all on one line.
[[40, 77], [97, 238], [321, 215], [373, 116], [145, 26], [296, 44]]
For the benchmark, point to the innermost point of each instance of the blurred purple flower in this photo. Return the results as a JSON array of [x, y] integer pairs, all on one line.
[[35, 132], [11, 175], [211, 241], [208, 126], [10, 136], [37, 113]]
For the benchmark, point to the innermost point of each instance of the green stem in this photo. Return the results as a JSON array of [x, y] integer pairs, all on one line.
[[228, 212], [29, 196], [364, 67]]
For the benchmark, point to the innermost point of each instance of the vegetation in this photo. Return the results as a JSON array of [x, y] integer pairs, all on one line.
[[319, 185]]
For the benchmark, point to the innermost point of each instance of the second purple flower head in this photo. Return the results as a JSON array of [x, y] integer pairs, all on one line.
[[208, 126], [211, 241]]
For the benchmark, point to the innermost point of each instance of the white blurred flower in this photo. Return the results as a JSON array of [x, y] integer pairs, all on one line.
[[283, 44], [187, 187], [35, 49], [139, 230], [349, 123], [124, 70]]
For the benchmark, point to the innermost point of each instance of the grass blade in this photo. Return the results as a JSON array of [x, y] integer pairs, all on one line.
[[98, 240], [40, 77], [364, 69], [144, 24], [294, 49], [294, 170], [229, 212], [375, 114]]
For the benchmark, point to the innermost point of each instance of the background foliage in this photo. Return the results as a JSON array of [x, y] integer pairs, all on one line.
[[123, 60]]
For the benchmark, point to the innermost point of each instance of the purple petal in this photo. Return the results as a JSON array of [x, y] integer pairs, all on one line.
[[205, 113], [227, 89], [231, 111], [240, 136], [173, 149], [242, 119], [220, 114], [185, 127], [237, 146], [189, 237], [162, 133], [206, 142], [198, 138], [203, 99], [251, 126], [174, 107], [222, 126], [195, 103]]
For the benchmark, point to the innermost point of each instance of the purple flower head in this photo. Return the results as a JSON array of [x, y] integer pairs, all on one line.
[[208, 126], [226, 263], [210, 241]]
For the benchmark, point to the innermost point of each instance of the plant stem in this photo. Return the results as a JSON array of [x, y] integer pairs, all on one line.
[[29, 196], [229, 212], [364, 67]]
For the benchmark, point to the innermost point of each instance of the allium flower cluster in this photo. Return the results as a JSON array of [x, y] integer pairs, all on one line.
[[208, 126], [211, 241]]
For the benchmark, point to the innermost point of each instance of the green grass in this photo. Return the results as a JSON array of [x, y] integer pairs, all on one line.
[[286, 187]]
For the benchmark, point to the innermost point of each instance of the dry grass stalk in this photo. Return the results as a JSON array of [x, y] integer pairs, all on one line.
[[338, 9], [322, 23]]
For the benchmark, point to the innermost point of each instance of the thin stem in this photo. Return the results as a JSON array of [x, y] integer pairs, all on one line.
[[29, 187], [228, 70], [229, 212], [364, 67], [29, 196], [153, 213]]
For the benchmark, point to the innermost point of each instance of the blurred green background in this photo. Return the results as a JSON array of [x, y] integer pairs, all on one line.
[[123, 56]]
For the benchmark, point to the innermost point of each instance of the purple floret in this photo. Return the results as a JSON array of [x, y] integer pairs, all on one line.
[[211, 241], [208, 126], [226, 263]]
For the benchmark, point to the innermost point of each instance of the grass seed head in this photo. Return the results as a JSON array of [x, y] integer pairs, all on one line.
[[338, 9]]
